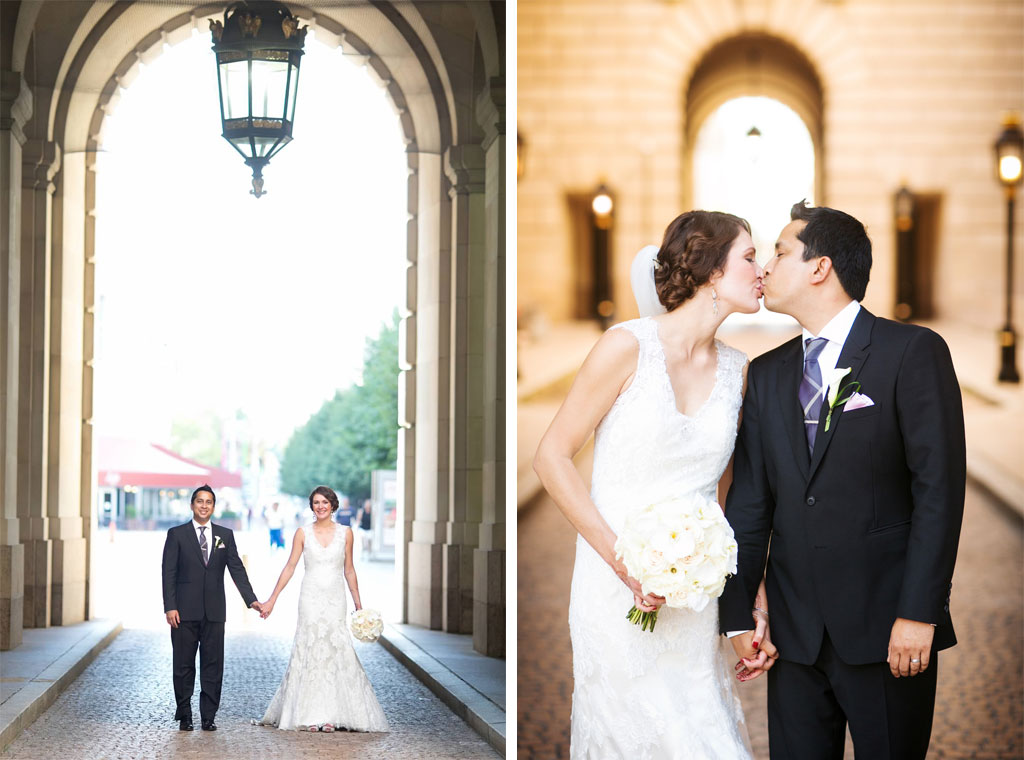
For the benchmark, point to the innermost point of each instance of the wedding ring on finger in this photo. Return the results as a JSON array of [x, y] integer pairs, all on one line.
[[914, 662]]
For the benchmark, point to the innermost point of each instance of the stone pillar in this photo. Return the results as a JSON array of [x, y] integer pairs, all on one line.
[[426, 536], [407, 394], [65, 422], [489, 557], [15, 110], [40, 162], [464, 165]]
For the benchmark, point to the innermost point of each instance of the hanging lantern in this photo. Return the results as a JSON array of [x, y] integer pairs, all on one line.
[[258, 48]]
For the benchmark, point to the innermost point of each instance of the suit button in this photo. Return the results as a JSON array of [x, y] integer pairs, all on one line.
[[946, 608], [810, 501]]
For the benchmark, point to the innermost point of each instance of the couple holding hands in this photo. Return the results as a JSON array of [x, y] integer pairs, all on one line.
[[324, 687]]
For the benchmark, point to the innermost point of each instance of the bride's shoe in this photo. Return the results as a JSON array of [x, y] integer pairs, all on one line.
[[327, 728], [314, 728]]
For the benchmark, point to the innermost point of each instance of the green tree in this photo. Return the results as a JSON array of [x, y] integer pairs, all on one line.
[[353, 433]]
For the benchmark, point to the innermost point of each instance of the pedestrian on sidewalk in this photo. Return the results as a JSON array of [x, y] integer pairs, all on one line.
[[275, 523]]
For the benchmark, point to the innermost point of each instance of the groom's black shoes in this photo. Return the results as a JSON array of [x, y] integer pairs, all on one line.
[[209, 725], [185, 724]]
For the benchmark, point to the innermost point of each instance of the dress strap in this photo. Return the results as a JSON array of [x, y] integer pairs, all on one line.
[[644, 330], [733, 360]]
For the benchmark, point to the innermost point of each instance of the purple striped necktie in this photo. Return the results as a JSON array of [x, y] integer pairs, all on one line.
[[810, 388]]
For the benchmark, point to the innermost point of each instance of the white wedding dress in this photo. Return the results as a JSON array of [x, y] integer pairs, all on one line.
[[324, 682], [666, 694]]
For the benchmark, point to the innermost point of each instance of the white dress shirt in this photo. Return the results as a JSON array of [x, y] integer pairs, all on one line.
[[836, 332]]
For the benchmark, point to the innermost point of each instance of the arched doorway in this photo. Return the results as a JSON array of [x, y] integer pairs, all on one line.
[[443, 69], [754, 136]]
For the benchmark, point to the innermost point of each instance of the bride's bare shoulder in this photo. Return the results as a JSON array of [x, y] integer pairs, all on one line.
[[618, 343]]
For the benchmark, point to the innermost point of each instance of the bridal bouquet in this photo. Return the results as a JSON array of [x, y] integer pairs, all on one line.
[[366, 625], [682, 549]]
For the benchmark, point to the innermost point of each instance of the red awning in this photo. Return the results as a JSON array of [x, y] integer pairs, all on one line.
[[124, 462]]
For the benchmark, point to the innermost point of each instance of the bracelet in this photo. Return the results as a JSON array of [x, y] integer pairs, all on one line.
[[758, 609]]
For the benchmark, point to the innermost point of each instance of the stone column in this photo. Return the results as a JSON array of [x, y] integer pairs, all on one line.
[[15, 110], [464, 165], [489, 557], [65, 423], [40, 162], [407, 393], [433, 355]]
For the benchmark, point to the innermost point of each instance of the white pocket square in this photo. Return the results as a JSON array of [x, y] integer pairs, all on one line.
[[858, 401]]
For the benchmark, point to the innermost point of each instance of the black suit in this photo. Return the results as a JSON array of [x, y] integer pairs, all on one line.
[[862, 531], [196, 591]]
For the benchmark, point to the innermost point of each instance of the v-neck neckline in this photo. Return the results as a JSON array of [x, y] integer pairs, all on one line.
[[668, 377], [334, 535]]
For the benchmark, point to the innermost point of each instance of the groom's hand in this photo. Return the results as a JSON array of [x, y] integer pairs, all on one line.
[[910, 646], [172, 618], [258, 606]]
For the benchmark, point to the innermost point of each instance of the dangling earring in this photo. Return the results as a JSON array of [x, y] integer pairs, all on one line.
[[714, 302]]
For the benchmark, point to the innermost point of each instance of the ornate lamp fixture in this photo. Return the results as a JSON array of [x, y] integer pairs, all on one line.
[[1009, 164], [258, 48]]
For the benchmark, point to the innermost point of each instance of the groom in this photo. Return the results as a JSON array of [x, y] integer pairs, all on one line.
[[860, 494], [195, 555]]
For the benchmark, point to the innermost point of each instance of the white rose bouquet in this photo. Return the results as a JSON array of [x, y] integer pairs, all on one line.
[[682, 549], [366, 625]]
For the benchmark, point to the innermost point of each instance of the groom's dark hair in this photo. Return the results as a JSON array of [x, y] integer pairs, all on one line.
[[840, 237], [203, 487]]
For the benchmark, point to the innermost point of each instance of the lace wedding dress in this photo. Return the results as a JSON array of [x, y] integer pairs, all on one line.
[[667, 693], [324, 682]]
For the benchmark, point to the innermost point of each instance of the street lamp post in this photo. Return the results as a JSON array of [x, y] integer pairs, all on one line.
[[903, 206], [602, 205], [1009, 157], [258, 48]]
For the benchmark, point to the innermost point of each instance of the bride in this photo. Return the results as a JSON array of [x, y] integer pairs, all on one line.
[[324, 687], [664, 397]]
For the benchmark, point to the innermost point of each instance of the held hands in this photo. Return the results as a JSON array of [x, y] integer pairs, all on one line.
[[265, 608], [172, 618], [910, 647], [258, 606], [755, 649]]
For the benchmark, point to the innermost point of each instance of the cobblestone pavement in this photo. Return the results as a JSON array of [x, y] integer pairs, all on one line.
[[978, 712], [122, 706]]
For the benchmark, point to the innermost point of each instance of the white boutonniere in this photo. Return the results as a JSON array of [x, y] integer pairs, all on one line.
[[218, 543], [836, 390]]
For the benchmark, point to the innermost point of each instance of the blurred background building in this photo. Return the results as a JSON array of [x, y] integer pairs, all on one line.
[[748, 106]]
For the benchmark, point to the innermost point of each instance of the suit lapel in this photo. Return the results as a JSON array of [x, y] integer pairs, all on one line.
[[790, 374], [854, 355]]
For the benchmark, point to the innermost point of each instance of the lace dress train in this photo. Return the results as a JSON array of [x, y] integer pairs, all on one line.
[[666, 694], [324, 682]]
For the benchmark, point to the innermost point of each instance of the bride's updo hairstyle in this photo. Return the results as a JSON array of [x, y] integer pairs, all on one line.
[[696, 245], [328, 494]]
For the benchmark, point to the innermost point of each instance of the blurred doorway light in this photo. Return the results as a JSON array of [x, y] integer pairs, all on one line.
[[754, 157]]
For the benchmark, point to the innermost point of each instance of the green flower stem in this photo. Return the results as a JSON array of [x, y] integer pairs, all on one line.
[[646, 620], [852, 387]]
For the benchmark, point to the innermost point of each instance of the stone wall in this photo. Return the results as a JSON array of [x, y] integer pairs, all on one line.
[[914, 92]]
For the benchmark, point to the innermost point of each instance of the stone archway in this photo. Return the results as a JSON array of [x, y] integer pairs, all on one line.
[[754, 64], [442, 65]]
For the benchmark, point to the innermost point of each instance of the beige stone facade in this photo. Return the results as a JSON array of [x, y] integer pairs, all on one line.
[[911, 92], [443, 66]]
